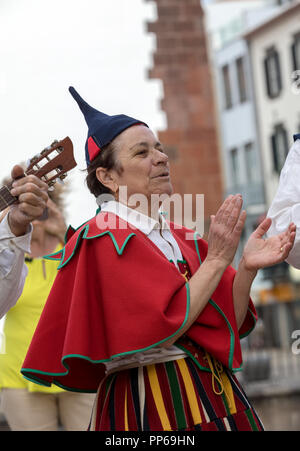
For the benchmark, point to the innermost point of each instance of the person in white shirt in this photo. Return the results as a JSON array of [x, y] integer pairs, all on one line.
[[285, 207], [15, 234]]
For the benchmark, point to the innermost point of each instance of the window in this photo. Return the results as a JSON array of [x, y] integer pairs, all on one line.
[[282, 2], [240, 67], [280, 148], [272, 73], [296, 52], [234, 166], [227, 87], [250, 160]]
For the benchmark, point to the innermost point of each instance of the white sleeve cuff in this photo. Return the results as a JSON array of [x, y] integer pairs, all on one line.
[[7, 238]]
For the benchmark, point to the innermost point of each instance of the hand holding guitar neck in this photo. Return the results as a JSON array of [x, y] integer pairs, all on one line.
[[32, 199], [26, 195]]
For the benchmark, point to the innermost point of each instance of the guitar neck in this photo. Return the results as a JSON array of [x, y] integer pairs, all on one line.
[[6, 199], [50, 165]]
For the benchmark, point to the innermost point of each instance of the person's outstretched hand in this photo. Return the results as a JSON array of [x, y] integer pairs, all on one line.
[[260, 253]]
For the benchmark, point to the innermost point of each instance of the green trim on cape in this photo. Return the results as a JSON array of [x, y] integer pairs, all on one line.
[[82, 235], [24, 371], [219, 310]]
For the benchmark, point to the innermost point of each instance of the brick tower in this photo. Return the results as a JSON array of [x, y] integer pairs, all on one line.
[[181, 62]]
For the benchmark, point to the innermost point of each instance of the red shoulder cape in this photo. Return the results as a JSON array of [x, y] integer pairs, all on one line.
[[116, 294]]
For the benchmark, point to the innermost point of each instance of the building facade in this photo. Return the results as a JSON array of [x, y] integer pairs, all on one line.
[[257, 112], [238, 130], [190, 139], [274, 48]]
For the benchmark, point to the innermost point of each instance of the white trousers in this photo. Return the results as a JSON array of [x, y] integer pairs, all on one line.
[[37, 411]]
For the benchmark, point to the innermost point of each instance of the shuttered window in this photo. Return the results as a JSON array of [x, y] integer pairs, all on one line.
[[273, 73], [242, 84], [227, 87], [279, 143]]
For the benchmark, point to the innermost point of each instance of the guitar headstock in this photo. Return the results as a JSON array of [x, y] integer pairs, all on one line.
[[53, 163]]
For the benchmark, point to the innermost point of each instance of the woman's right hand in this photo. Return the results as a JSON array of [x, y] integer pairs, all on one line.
[[225, 230]]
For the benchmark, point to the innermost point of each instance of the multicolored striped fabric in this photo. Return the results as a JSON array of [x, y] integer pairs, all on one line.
[[172, 396], [193, 393]]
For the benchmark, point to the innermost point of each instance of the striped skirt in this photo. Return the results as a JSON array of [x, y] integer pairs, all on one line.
[[172, 396]]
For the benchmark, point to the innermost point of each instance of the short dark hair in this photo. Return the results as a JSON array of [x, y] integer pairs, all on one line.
[[106, 159]]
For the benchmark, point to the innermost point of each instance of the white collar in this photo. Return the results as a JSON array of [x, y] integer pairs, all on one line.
[[134, 217]]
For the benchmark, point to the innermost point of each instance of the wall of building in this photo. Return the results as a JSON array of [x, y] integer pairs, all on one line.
[[181, 62], [237, 123], [238, 131], [284, 109]]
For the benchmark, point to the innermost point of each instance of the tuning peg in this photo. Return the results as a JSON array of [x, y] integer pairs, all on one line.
[[33, 159]]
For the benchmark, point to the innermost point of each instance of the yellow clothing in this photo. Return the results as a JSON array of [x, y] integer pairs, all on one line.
[[20, 324]]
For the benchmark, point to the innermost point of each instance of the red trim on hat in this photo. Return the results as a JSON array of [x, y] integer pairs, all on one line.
[[93, 148]]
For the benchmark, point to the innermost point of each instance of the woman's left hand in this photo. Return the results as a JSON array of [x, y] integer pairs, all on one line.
[[260, 253]]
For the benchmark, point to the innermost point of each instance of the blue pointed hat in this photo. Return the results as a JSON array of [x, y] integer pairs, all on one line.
[[102, 128]]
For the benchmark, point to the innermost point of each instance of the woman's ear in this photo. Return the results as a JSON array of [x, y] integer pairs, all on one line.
[[106, 178]]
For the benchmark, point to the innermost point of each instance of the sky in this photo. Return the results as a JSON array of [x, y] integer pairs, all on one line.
[[101, 47]]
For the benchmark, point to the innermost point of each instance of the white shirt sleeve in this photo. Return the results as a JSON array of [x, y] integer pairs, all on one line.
[[285, 207], [13, 270]]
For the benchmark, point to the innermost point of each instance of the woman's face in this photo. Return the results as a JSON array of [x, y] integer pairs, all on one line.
[[144, 163]]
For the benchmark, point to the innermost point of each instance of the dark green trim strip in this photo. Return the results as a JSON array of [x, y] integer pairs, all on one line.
[[203, 368], [176, 395], [178, 261], [245, 334], [51, 256], [48, 384], [83, 235], [225, 402], [24, 371], [196, 235], [61, 265], [219, 310], [107, 232], [66, 234], [231, 350], [251, 420]]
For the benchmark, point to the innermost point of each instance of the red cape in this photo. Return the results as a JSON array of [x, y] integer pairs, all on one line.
[[115, 294]]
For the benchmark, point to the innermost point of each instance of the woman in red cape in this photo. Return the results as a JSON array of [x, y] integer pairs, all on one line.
[[146, 313]]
